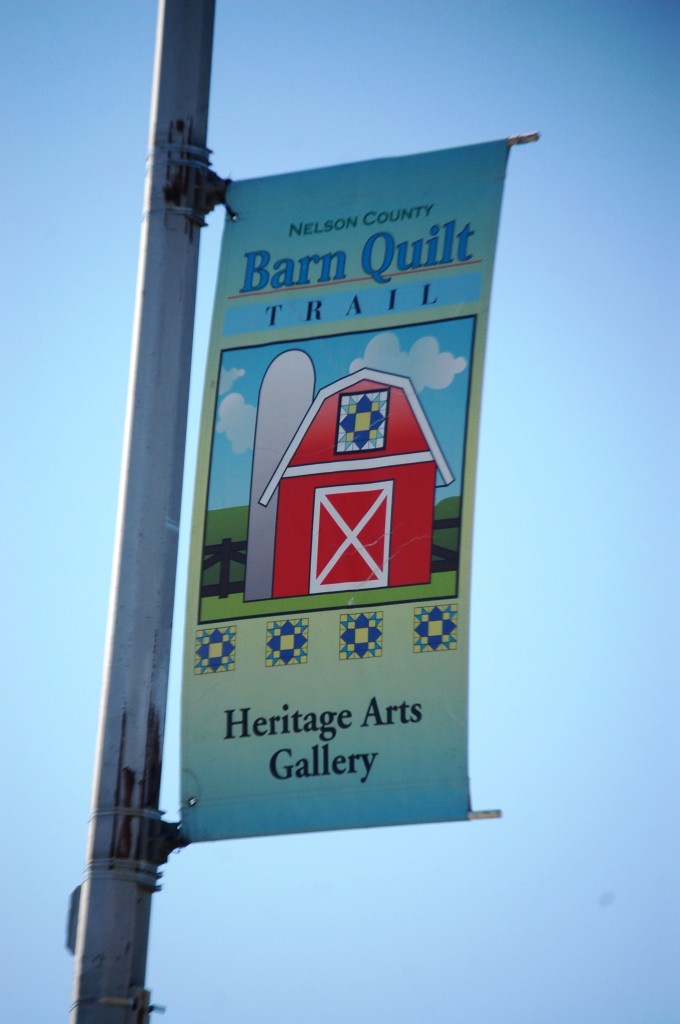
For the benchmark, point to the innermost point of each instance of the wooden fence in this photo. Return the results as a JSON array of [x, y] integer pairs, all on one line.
[[233, 552]]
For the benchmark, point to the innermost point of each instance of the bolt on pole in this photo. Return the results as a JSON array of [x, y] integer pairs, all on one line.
[[126, 836]]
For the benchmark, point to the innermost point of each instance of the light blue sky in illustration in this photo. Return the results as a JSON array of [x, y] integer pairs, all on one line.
[[436, 357]]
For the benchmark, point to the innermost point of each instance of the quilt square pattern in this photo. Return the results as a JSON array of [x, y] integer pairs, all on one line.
[[287, 642], [361, 636], [362, 421], [434, 628], [215, 650]]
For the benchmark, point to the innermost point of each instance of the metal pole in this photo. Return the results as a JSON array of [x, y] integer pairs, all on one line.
[[126, 835]]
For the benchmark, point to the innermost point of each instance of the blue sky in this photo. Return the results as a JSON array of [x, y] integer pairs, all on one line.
[[566, 909]]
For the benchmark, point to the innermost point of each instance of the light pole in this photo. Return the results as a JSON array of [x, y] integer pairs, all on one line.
[[127, 840]]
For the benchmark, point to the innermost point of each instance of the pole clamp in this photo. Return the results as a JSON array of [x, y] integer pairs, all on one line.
[[139, 1002], [159, 838], [192, 188]]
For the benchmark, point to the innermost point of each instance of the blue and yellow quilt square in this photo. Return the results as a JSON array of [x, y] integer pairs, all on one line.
[[434, 628], [361, 635], [215, 650], [287, 642], [362, 421]]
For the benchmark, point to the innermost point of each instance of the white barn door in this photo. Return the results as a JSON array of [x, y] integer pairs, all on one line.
[[351, 537]]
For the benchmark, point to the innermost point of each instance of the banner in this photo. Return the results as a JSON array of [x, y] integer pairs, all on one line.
[[326, 647]]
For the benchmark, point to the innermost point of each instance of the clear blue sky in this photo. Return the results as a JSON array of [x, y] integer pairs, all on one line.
[[568, 908]]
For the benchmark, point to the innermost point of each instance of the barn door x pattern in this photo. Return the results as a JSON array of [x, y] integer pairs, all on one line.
[[350, 545]]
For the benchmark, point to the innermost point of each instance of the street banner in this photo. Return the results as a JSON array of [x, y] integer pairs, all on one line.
[[325, 671]]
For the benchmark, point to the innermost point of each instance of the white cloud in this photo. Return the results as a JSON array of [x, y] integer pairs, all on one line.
[[227, 378], [425, 364], [236, 420]]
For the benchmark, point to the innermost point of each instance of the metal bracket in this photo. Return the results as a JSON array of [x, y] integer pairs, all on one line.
[[165, 840], [522, 140], [211, 191], [192, 189]]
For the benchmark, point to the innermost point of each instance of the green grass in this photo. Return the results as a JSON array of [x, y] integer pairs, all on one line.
[[233, 523]]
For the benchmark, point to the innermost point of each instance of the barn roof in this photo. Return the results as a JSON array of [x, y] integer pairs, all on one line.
[[370, 376]]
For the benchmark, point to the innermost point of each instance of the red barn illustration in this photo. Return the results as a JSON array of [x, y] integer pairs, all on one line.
[[355, 490]]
